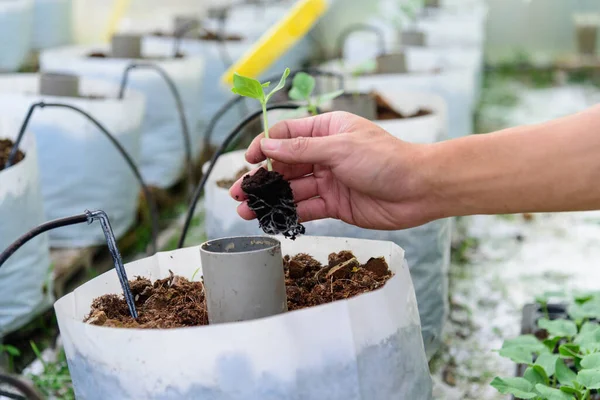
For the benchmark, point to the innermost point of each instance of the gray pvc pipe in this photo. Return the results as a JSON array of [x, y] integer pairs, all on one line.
[[412, 38], [55, 84], [361, 104], [126, 46], [393, 63], [243, 278]]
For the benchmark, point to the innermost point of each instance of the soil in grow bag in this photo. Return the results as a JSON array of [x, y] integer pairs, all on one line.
[[207, 35], [227, 183], [176, 302], [271, 198], [6, 146], [386, 112]]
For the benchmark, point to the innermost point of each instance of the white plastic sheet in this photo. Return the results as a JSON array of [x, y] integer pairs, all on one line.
[[367, 347], [80, 168], [163, 156], [25, 283], [426, 73], [15, 33], [427, 247], [51, 23]]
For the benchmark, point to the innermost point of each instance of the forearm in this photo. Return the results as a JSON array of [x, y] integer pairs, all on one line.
[[540, 168]]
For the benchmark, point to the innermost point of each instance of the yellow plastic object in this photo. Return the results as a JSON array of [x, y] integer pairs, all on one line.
[[120, 8], [277, 40]]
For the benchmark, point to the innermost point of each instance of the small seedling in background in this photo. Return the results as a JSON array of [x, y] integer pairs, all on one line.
[[250, 87], [303, 86], [12, 352]]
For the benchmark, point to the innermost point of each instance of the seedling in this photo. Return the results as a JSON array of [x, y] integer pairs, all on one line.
[[565, 365], [303, 86], [250, 87]]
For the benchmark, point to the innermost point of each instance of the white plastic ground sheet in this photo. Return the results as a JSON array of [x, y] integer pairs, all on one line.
[[516, 260], [25, 278], [16, 21], [163, 155], [80, 168], [365, 348]]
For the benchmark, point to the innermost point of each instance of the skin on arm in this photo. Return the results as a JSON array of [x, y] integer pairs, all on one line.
[[342, 166]]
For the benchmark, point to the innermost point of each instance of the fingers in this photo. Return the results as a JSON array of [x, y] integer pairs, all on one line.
[[305, 127], [308, 210]]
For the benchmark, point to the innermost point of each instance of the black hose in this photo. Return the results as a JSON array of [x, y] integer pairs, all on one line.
[[187, 141], [27, 392], [128, 159], [341, 40], [232, 135], [208, 132], [57, 223], [89, 217]]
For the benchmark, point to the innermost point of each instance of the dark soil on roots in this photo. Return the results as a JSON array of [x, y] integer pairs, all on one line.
[[175, 302], [386, 112], [6, 146], [227, 183], [272, 199]]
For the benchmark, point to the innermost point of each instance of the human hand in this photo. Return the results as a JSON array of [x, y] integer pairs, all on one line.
[[345, 167]]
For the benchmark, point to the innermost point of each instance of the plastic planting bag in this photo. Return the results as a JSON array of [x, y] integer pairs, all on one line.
[[25, 278], [364, 348], [15, 33], [163, 154], [80, 168], [425, 73], [52, 23], [427, 247]]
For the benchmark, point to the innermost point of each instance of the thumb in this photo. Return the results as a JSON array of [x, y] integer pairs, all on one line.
[[302, 150]]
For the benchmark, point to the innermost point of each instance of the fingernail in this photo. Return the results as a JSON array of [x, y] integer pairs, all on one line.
[[269, 144]]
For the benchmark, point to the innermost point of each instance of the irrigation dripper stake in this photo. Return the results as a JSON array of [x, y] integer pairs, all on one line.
[[128, 159], [88, 217], [187, 141]]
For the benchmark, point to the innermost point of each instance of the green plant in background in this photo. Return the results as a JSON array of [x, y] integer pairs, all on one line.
[[250, 87], [55, 380], [302, 89], [565, 365], [11, 352]]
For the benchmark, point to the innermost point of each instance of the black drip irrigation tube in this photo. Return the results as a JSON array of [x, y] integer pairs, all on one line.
[[89, 217], [187, 141], [149, 199], [346, 33], [23, 390], [232, 135], [234, 100]]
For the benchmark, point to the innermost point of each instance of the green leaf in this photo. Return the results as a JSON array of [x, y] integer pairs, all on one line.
[[588, 338], [536, 375], [247, 87], [266, 84], [325, 97], [547, 362], [569, 350], [559, 327], [564, 374], [551, 343], [521, 388], [552, 394], [10, 350], [280, 85], [591, 361], [589, 310], [517, 355], [570, 390], [302, 86], [589, 378]]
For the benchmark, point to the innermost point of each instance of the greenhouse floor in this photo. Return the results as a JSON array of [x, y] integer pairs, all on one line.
[[501, 263]]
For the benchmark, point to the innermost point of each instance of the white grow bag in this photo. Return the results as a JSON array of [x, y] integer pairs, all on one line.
[[427, 247], [455, 85], [80, 168], [52, 23], [163, 155], [25, 283], [16, 19], [367, 347]]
